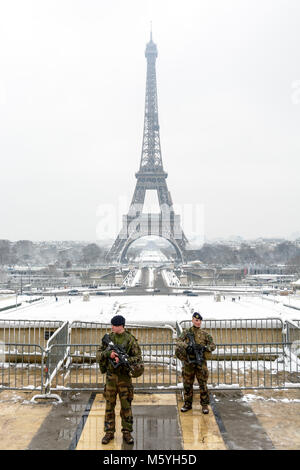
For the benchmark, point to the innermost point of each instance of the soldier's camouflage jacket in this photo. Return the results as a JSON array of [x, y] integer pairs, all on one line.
[[201, 337], [129, 344]]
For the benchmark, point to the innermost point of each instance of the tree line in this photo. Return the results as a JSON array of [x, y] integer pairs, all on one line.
[[67, 254], [62, 254]]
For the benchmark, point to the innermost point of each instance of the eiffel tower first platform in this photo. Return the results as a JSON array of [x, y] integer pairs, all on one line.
[[151, 176]]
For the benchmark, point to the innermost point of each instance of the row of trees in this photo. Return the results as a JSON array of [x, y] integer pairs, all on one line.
[[63, 254], [68, 254], [263, 254]]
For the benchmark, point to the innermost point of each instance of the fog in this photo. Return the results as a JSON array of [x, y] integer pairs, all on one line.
[[72, 92]]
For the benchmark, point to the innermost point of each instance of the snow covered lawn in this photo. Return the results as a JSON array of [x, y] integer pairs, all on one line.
[[161, 309]]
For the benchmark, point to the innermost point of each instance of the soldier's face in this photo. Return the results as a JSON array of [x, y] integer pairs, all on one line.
[[196, 323], [117, 329]]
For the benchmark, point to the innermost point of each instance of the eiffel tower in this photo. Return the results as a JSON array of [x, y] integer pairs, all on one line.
[[151, 176]]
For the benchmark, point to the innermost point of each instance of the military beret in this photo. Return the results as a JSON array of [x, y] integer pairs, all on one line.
[[197, 316], [118, 320]]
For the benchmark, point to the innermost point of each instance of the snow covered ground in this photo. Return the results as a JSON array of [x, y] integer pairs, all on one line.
[[8, 300], [246, 307], [160, 309], [291, 300], [151, 256]]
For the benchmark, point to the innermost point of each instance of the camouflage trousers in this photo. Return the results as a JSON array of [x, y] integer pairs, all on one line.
[[189, 371], [122, 385]]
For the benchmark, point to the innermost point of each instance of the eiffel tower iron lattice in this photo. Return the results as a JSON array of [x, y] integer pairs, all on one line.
[[151, 176]]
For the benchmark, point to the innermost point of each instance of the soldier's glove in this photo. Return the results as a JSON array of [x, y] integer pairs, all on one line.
[[189, 350], [200, 348]]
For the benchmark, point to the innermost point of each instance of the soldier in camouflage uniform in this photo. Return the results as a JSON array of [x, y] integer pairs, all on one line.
[[190, 370], [118, 381]]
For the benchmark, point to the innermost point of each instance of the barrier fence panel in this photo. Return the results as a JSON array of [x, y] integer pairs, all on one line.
[[21, 366], [242, 366], [88, 332], [79, 371], [83, 373], [161, 367], [92, 332], [250, 330], [257, 365], [27, 331]]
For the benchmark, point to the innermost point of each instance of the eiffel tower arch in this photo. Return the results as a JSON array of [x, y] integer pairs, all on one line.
[[151, 176], [148, 225]]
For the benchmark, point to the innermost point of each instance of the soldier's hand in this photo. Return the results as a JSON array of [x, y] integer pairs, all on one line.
[[114, 356], [189, 350]]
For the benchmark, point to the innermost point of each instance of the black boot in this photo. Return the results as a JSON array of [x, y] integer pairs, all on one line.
[[107, 437], [186, 407], [128, 437]]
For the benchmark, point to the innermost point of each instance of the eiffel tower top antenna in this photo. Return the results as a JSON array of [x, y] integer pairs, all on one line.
[[151, 159]]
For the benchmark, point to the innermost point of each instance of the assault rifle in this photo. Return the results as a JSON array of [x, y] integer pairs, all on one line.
[[123, 357], [195, 352]]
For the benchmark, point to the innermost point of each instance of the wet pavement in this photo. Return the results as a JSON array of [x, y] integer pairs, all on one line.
[[252, 420], [156, 427], [240, 426], [64, 424]]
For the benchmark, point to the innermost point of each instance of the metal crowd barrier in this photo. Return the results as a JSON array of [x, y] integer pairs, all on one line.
[[22, 367], [28, 366], [251, 366], [83, 373], [248, 330], [66, 365], [241, 366]]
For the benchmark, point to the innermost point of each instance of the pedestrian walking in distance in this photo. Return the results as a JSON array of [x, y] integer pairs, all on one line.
[[120, 358], [192, 348]]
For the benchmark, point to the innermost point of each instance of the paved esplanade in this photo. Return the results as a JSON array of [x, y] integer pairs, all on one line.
[[268, 420]]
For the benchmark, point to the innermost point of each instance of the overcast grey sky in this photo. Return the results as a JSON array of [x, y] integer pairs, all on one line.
[[72, 89]]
